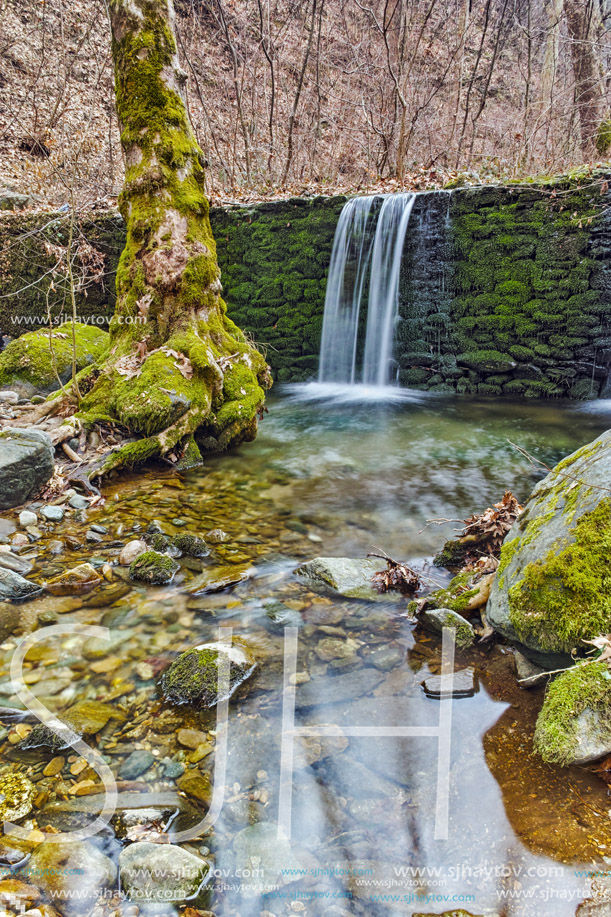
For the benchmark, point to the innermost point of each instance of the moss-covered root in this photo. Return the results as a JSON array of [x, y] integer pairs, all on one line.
[[574, 701]]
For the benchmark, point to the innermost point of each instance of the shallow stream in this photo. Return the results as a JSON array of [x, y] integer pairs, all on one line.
[[328, 475]]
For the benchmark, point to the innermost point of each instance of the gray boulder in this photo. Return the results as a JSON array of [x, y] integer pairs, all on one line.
[[345, 576], [161, 873], [554, 580], [26, 464]]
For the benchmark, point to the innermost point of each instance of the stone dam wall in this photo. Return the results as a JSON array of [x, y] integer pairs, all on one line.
[[504, 290]]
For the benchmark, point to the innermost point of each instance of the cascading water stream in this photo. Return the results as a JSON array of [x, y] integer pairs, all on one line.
[[383, 310], [350, 259], [356, 253]]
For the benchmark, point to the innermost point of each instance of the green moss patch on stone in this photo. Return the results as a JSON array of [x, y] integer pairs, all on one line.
[[566, 597], [456, 596], [194, 677], [29, 359], [153, 568], [583, 687], [191, 545]]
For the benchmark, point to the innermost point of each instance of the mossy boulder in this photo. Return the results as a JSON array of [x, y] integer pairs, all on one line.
[[32, 363], [553, 587], [197, 675], [153, 568], [574, 725], [458, 596]]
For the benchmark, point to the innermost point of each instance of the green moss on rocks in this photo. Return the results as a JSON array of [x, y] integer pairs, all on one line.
[[194, 677], [585, 687], [28, 361], [191, 545], [566, 598], [456, 596], [153, 568], [451, 556]]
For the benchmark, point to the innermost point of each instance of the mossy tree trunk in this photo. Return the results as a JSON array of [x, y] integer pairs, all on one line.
[[178, 367]]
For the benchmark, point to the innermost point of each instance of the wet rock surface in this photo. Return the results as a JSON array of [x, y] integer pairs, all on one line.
[[160, 873], [344, 576], [26, 464], [15, 588], [63, 869]]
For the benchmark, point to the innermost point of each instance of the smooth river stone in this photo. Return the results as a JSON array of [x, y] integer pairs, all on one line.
[[341, 688]]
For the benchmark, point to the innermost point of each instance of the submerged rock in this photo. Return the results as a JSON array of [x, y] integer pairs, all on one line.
[[132, 551], [341, 688], [463, 685], [269, 859], [218, 578], [131, 809], [161, 873], [194, 677], [574, 725], [553, 586], [154, 568], [10, 618], [436, 619], [77, 581], [138, 763], [191, 545], [73, 873], [15, 588], [345, 576], [16, 795], [16, 564], [84, 718], [26, 464]]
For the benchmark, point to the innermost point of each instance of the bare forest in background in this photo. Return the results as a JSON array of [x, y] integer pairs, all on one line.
[[317, 96]]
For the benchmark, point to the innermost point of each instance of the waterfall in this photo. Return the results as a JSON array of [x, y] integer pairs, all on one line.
[[356, 253], [384, 287], [350, 259]]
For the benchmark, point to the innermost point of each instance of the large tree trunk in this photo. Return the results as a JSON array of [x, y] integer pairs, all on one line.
[[178, 367], [581, 22]]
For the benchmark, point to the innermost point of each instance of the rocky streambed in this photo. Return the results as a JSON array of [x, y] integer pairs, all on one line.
[[136, 697]]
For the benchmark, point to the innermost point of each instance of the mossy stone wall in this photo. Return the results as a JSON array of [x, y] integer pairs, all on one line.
[[504, 290], [523, 304], [273, 257]]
